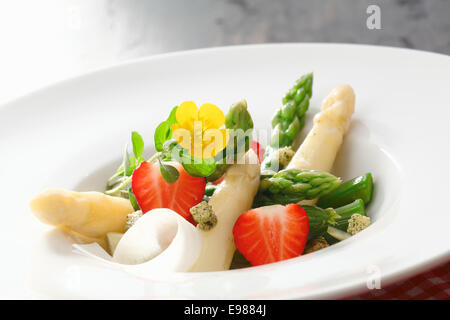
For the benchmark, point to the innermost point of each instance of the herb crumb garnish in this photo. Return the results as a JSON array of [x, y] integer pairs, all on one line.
[[132, 218], [285, 155], [357, 223], [316, 244], [204, 215]]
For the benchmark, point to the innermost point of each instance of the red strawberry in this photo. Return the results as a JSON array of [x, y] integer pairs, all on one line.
[[152, 191], [258, 150], [272, 233]]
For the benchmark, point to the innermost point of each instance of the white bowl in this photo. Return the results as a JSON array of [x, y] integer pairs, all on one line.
[[71, 135]]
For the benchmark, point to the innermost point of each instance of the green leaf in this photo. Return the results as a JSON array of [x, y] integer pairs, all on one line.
[[162, 134], [169, 145], [133, 165], [173, 116], [133, 200], [195, 167], [139, 161], [163, 131], [126, 161], [138, 144], [168, 172], [199, 167]]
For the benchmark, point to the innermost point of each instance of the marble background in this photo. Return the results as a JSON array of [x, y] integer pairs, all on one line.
[[47, 40]]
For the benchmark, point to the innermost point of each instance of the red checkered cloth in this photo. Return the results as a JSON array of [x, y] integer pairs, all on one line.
[[433, 284]]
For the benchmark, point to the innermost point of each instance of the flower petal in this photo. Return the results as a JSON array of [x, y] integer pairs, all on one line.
[[211, 116], [209, 150], [186, 114], [182, 136], [214, 141], [175, 127]]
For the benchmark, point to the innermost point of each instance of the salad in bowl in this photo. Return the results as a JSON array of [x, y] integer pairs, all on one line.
[[211, 198]]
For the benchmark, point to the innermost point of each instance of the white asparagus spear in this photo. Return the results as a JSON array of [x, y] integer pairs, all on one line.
[[88, 216], [320, 147], [318, 150], [233, 197]]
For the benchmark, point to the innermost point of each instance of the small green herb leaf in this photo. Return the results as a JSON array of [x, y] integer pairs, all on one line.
[[173, 116], [200, 167], [195, 167], [162, 134], [132, 167], [164, 130], [126, 161], [168, 172], [133, 200], [138, 144]]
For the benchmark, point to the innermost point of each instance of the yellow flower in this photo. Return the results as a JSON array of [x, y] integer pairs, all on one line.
[[197, 130]]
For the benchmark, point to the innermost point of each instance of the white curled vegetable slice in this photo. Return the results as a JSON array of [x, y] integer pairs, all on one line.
[[160, 241]]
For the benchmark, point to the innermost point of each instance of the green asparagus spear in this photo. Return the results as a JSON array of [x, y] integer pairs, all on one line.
[[345, 213], [288, 120], [329, 239], [240, 124], [357, 188], [320, 219], [238, 117], [293, 185]]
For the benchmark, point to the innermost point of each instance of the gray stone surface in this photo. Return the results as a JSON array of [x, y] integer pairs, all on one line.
[[47, 40], [160, 26]]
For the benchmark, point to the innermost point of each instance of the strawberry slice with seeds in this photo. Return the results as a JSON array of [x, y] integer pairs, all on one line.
[[152, 191], [271, 233]]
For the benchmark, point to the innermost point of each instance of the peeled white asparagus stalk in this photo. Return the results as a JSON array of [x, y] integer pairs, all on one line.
[[320, 147], [233, 197], [88, 216], [76, 237], [322, 143], [160, 242]]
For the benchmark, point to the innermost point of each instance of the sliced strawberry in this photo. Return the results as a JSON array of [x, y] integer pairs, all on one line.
[[272, 233], [258, 150], [152, 191]]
